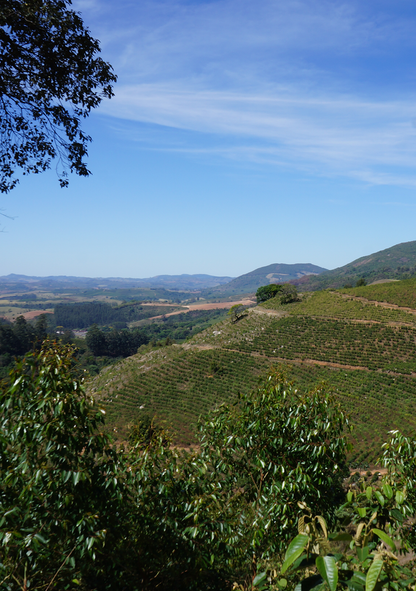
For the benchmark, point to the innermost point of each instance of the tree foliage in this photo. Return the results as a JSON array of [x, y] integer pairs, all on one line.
[[60, 496], [116, 343], [286, 293], [18, 338], [237, 311], [375, 525], [79, 513], [273, 448], [266, 292], [289, 294], [50, 79]]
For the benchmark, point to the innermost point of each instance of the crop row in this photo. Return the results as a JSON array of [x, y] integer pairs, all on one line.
[[400, 293], [374, 346], [332, 304], [182, 389], [376, 403]]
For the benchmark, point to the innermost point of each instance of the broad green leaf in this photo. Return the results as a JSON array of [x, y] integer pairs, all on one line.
[[398, 515], [361, 511], [357, 582], [363, 553], [380, 497], [260, 578], [369, 492], [373, 574], [386, 539], [399, 497], [328, 570], [359, 577], [294, 550], [388, 491]]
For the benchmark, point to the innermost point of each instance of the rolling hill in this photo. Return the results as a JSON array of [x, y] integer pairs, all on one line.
[[397, 262], [364, 350], [275, 273], [22, 283]]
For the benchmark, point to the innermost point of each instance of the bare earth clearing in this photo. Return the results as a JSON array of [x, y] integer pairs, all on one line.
[[202, 306], [34, 313]]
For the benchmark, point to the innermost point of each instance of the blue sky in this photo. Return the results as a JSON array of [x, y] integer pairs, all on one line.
[[241, 133]]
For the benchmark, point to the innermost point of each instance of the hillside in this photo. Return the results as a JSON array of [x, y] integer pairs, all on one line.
[[364, 351], [397, 262], [275, 273], [23, 283]]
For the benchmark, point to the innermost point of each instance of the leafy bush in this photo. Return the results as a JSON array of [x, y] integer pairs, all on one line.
[[60, 496], [266, 292], [77, 513]]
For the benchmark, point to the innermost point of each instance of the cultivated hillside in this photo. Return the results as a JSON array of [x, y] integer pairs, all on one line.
[[364, 350], [397, 262], [275, 273]]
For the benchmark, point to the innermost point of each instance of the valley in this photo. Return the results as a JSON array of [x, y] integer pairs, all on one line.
[[360, 341], [364, 350]]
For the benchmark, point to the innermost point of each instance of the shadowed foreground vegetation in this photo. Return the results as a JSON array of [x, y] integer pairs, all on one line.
[[259, 505]]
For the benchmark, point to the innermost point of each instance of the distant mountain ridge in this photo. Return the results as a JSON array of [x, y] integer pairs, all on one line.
[[175, 282], [396, 262]]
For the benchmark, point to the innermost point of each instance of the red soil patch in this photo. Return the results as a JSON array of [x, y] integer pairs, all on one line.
[[214, 306], [34, 313]]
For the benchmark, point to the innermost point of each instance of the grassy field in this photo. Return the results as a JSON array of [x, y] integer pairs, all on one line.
[[365, 353]]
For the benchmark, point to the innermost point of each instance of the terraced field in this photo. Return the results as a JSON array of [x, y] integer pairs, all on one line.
[[178, 385], [400, 293], [366, 354]]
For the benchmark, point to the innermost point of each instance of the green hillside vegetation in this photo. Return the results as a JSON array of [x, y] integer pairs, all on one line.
[[175, 384], [397, 262], [401, 293], [180, 327], [260, 504], [333, 304], [275, 273], [366, 353], [84, 314]]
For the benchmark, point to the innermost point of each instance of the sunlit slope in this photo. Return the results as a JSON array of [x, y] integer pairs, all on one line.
[[396, 262], [365, 352], [177, 384], [399, 293], [275, 273]]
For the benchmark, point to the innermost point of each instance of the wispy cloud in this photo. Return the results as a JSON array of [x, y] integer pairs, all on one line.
[[342, 135], [298, 83]]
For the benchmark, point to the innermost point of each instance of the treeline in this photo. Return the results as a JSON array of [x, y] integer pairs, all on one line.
[[182, 326], [116, 343], [85, 314], [101, 346], [19, 337], [123, 343]]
